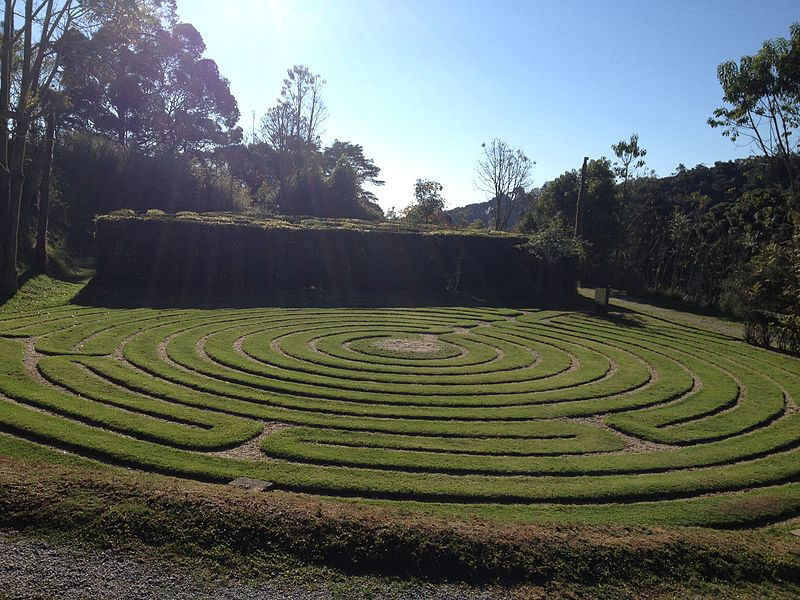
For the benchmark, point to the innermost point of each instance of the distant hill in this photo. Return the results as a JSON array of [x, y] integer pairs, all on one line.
[[464, 215], [484, 212]]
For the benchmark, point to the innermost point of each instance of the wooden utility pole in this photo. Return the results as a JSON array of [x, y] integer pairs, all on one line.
[[580, 196]]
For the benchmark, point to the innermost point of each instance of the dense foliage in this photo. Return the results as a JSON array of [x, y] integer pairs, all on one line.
[[700, 232], [719, 236], [428, 203], [95, 175]]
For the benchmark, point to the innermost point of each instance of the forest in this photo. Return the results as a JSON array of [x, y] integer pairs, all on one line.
[[110, 104]]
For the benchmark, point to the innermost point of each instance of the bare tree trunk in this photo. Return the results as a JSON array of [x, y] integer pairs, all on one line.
[[620, 231], [8, 266], [40, 256], [13, 145], [17, 160], [580, 197], [11, 238], [8, 240]]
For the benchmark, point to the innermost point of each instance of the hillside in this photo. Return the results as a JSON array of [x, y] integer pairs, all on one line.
[[484, 212]]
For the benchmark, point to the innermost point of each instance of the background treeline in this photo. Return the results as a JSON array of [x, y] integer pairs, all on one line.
[[705, 235], [722, 237]]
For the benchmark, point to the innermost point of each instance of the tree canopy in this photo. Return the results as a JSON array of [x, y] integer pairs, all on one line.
[[762, 96], [155, 91]]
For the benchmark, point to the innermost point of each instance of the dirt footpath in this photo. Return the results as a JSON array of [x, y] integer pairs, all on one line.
[[33, 568]]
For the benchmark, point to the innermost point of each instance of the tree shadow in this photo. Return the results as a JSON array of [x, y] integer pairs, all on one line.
[[101, 294], [622, 317], [677, 304]]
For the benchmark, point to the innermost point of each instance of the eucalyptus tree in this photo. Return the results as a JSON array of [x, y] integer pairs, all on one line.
[[762, 96], [302, 94], [292, 128], [630, 158]]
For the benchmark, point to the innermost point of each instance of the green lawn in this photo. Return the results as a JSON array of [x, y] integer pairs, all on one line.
[[520, 415]]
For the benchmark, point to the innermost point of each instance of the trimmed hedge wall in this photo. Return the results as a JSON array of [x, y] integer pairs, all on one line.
[[189, 253]]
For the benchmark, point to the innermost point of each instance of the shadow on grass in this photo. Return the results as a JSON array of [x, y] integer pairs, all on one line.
[[621, 317], [677, 304], [101, 294]]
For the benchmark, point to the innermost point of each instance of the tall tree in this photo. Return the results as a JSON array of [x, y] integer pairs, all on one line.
[[36, 38], [40, 253], [151, 89], [630, 158], [92, 24], [302, 94], [29, 64], [762, 93], [505, 173], [364, 169], [292, 128]]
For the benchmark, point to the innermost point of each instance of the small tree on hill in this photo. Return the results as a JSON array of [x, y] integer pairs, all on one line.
[[428, 201]]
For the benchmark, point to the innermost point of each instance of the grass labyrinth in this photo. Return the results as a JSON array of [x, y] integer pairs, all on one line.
[[528, 415]]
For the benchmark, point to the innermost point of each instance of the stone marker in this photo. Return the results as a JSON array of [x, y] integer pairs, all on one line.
[[795, 532], [254, 485], [601, 300]]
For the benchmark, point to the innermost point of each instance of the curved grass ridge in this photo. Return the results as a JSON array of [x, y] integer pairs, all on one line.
[[554, 415]]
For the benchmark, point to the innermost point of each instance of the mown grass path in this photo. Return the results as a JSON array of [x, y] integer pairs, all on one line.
[[541, 415]]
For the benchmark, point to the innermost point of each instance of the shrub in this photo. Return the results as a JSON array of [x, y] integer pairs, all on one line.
[[769, 329]]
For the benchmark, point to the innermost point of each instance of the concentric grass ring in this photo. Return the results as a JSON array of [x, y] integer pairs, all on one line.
[[560, 414]]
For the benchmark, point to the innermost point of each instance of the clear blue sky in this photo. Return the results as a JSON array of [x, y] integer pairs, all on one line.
[[421, 83]]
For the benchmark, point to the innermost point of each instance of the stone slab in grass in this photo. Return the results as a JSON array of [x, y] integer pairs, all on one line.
[[253, 485]]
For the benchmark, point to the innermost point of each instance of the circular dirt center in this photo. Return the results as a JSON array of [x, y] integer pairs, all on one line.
[[422, 345]]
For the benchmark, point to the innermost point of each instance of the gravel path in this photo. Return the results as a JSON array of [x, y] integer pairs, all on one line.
[[33, 568]]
